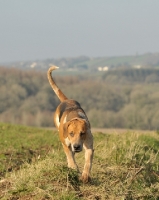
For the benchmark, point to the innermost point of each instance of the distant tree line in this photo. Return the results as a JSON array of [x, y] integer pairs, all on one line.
[[127, 98]]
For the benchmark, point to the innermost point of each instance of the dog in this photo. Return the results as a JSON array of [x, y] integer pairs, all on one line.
[[74, 129]]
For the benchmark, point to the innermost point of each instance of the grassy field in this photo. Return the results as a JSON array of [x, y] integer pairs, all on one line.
[[33, 166]]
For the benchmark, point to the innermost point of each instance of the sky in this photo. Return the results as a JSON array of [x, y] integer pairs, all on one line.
[[43, 29]]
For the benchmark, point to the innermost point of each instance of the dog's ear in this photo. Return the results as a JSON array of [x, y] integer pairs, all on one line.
[[86, 122], [65, 132]]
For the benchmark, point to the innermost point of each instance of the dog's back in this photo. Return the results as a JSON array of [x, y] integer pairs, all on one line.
[[67, 110]]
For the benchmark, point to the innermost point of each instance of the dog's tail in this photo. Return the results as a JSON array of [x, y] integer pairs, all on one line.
[[57, 91]]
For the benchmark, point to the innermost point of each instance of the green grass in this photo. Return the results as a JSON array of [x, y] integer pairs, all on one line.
[[33, 166], [19, 144]]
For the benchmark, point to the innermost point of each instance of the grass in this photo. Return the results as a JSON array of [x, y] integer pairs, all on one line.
[[33, 166]]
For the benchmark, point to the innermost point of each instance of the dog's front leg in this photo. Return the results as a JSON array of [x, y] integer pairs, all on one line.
[[88, 145], [70, 157], [87, 165]]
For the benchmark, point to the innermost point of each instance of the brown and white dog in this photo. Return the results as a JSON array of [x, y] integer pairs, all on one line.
[[74, 129]]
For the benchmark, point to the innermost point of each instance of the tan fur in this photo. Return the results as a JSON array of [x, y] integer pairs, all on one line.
[[74, 129]]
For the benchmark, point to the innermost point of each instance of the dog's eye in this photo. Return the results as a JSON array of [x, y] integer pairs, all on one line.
[[71, 134], [82, 133]]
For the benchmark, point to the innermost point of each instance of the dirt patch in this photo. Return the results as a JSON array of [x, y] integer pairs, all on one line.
[[12, 160]]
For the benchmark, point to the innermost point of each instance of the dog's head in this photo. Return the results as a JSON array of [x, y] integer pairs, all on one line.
[[75, 133]]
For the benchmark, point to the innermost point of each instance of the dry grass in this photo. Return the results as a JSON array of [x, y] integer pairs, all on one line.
[[126, 166]]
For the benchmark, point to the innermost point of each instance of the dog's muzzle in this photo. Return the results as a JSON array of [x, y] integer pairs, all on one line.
[[77, 148]]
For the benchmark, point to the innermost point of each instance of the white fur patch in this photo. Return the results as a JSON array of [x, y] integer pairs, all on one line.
[[57, 121], [64, 121], [67, 141]]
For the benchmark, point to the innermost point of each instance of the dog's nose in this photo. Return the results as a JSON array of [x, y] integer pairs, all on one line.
[[76, 147]]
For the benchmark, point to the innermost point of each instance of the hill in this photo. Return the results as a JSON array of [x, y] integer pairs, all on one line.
[[88, 64], [33, 166]]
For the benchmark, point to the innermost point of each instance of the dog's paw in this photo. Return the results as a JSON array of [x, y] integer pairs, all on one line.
[[85, 178]]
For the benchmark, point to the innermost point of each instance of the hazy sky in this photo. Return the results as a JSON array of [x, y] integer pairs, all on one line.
[[41, 29]]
